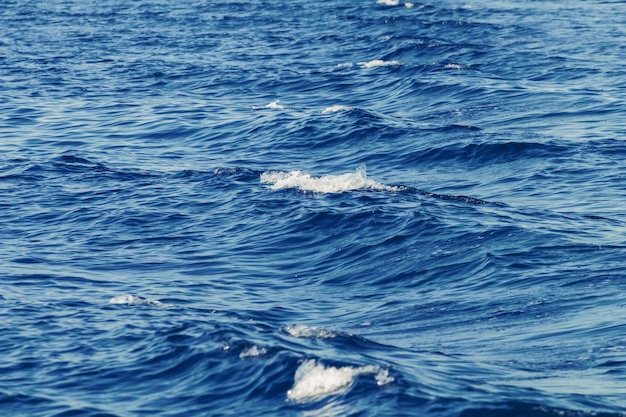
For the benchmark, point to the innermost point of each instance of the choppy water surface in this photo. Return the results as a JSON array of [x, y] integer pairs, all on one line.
[[312, 208]]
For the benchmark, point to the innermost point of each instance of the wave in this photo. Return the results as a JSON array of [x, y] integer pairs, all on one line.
[[406, 4], [274, 105], [336, 108], [252, 352], [483, 153], [134, 300], [280, 180], [302, 331], [378, 63], [313, 381], [401, 292], [374, 63]]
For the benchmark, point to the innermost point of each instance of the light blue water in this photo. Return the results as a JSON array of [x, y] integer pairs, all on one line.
[[312, 208]]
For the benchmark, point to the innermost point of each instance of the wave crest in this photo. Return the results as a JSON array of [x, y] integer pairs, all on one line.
[[134, 300], [313, 381], [378, 63], [303, 181]]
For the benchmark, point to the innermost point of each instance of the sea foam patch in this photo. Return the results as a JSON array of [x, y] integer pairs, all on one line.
[[129, 299], [378, 63], [300, 330], [279, 180], [274, 105], [407, 4], [336, 108], [253, 351], [314, 381]]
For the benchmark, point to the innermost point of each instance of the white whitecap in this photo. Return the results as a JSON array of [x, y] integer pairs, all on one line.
[[336, 108], [457, 67], [407, 4], [383, 378], [129, 299], [254, 351], [279, 180], [300, 330], [123, 299], [274, 105], [313, 381], [378, 63]]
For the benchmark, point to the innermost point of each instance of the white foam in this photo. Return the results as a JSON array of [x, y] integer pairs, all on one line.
[[407, 4], [274, 105], [254, 351], [358, 180], [313, 381], [454, 66], [336, 108], [378, 63], [129, 299], [382, 377], [300, 330]]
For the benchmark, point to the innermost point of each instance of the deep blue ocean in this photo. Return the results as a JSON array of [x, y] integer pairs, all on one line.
[[313, 208]]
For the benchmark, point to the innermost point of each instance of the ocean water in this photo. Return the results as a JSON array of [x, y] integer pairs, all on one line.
[[312, 208]]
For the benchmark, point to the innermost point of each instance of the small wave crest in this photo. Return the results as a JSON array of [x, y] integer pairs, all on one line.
[[378, 63], [336, 108], [274, 105], [279, 180], [133, 300], [407, 4], [314, 381], [300, 330], [252, 352]]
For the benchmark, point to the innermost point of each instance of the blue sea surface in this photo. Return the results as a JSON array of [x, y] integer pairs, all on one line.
[[320, 208]]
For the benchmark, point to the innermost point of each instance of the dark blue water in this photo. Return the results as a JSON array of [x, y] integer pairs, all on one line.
[[322, 208]]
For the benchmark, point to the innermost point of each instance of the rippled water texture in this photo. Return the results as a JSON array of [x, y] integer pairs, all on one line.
[[327, 208]]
